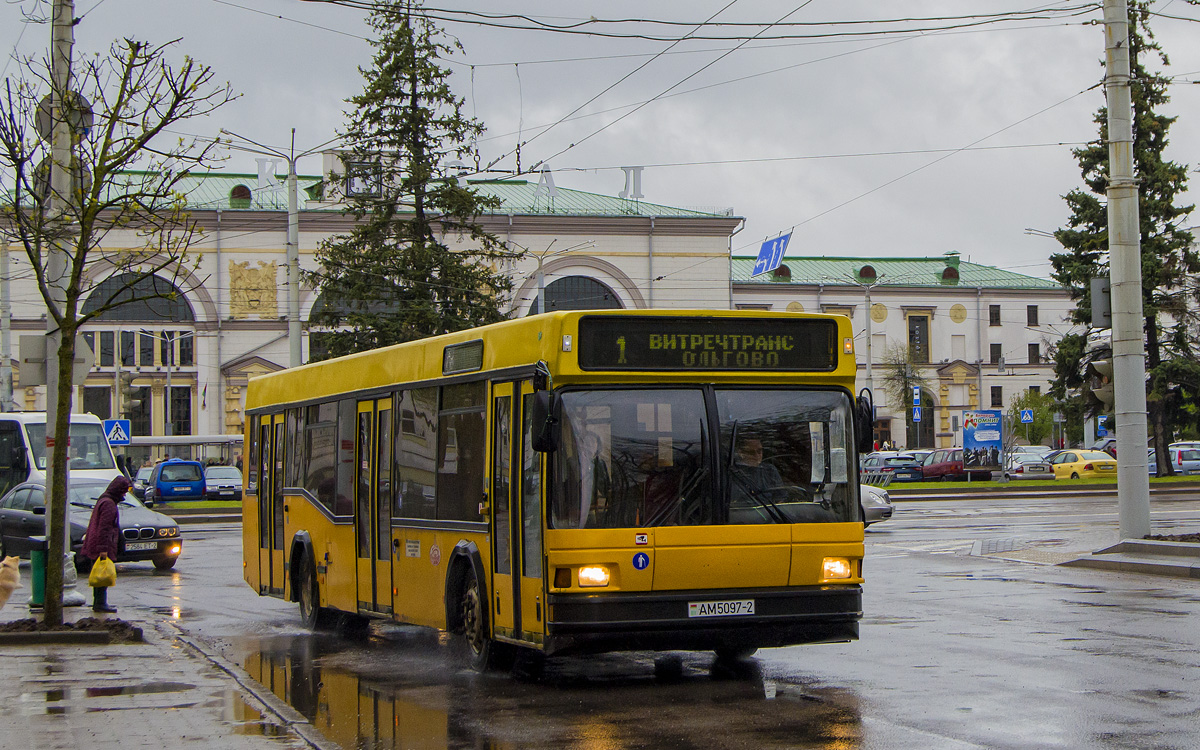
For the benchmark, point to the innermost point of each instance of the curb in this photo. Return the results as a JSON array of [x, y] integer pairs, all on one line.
[[1150, 557], [284, 714], [56, 638]]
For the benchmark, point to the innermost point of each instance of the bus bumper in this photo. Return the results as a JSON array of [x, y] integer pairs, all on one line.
[[660, 621]]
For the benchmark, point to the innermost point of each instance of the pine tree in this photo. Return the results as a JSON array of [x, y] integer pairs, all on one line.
[[1168, 257], [393, 278]]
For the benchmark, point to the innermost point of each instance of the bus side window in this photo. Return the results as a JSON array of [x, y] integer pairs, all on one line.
[[13, 466]]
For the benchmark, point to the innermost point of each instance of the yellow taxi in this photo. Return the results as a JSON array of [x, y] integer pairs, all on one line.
[[1073, 464]]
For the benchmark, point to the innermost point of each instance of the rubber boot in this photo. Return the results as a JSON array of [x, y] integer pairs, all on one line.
[[100, 600]]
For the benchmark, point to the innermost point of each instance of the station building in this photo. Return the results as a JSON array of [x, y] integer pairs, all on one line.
[[190, 356]]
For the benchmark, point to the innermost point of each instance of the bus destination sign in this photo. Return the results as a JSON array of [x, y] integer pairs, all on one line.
[[662, 343]]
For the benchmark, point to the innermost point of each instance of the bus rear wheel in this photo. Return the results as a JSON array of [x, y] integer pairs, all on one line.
[[482, 652], [309, 596]]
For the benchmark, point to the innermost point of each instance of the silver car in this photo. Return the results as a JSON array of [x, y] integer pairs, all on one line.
[[876, 504], [1028, 466]]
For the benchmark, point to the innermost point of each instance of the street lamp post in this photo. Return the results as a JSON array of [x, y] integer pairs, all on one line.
[[293, 233]]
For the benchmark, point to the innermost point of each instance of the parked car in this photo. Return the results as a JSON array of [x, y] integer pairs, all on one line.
[[175, 479], [1076, 464], [947, 464], [1028, 466], [140, 481], [1040, 451], [1184, 460], [145, 534], [903, 467], [876, 504], [1106, 445], [223, 483], [921, 454]]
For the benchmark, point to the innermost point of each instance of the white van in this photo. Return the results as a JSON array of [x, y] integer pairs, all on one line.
[[23, 449]]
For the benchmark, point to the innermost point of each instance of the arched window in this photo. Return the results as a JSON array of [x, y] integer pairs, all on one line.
[[577, 293], [162, 301], [240, 197]]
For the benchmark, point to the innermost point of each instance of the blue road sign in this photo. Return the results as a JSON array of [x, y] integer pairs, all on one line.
[[1026, 416], [916, 414], [916, 395], [117, 431], [770, 255]]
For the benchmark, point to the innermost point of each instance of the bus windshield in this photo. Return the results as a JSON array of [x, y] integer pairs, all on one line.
[[89, 448], [647, 457]]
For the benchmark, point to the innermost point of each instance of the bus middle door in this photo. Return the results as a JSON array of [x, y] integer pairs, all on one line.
[[270, 504], [372, 504]]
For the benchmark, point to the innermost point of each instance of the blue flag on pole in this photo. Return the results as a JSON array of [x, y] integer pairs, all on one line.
[[770, 255]]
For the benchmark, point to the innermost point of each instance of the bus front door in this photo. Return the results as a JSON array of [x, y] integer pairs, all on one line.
[[518, 612], [372, 504], [504, 595], [527, 532]]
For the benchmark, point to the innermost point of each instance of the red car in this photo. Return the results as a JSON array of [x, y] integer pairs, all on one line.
[[947, 464]]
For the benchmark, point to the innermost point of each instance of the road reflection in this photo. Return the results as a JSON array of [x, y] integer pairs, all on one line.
[[405, 688]]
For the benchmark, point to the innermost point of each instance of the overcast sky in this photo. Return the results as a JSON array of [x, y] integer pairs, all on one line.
[[895, 144]]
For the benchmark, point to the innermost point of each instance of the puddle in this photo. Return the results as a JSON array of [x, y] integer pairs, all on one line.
[[249, 721], [401, 693]]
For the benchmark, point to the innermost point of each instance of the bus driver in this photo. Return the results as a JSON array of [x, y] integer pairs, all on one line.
[[750, 475]]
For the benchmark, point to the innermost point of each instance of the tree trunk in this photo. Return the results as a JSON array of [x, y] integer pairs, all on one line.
[[56, 487]]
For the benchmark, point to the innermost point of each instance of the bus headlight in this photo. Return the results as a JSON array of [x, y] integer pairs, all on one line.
[[593, 575], [835, 567]]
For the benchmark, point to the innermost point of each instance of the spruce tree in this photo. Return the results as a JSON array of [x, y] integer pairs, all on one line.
[[393, 278], [1168, 256]]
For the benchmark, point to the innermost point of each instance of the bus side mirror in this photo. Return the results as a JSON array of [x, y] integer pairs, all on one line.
[[864, 421], [543, 422], [16, 459]]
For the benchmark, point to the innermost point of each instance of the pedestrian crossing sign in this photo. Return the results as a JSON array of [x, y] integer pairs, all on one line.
[[117, 431]]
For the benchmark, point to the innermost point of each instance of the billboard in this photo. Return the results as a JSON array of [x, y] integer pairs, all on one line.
[[983, 440]]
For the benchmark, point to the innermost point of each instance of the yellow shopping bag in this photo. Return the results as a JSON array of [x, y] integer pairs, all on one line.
[[104, 573]]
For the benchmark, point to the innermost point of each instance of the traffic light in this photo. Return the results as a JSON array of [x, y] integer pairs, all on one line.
[[1099, 377], [125, 394]]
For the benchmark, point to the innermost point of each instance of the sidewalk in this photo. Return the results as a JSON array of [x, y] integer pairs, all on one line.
[[169, 690]]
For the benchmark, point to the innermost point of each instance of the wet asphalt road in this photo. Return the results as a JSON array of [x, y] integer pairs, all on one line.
[[958, 650]]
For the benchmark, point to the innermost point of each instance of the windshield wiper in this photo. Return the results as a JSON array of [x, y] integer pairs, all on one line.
[[770, 506]]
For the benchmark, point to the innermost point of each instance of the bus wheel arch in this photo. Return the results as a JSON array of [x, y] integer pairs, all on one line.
[[305, 588], [467, 608]]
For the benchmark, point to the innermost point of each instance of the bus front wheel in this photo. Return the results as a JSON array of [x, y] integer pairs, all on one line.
[[735, 653], [482, 652]]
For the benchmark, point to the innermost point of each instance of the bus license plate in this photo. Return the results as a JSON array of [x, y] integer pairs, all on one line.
[[140, 546], [721, 609]]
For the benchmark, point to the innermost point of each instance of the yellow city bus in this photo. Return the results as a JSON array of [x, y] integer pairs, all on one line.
[[571, 482]]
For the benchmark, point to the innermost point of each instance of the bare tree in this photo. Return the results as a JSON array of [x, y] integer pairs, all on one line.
[[126, 173]]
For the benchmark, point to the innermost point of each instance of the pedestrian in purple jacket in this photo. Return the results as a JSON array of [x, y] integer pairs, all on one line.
[[104, 535]]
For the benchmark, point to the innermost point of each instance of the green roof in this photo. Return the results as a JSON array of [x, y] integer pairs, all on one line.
[[214, 189], [523, 197], [897, 272]]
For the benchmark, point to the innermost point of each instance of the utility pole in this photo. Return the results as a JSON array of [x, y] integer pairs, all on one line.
[[6, 379], [1125, 265], [62, 39], [293, 233]]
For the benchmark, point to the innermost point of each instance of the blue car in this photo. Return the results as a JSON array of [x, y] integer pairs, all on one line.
[[176, 479], [903, 467]]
